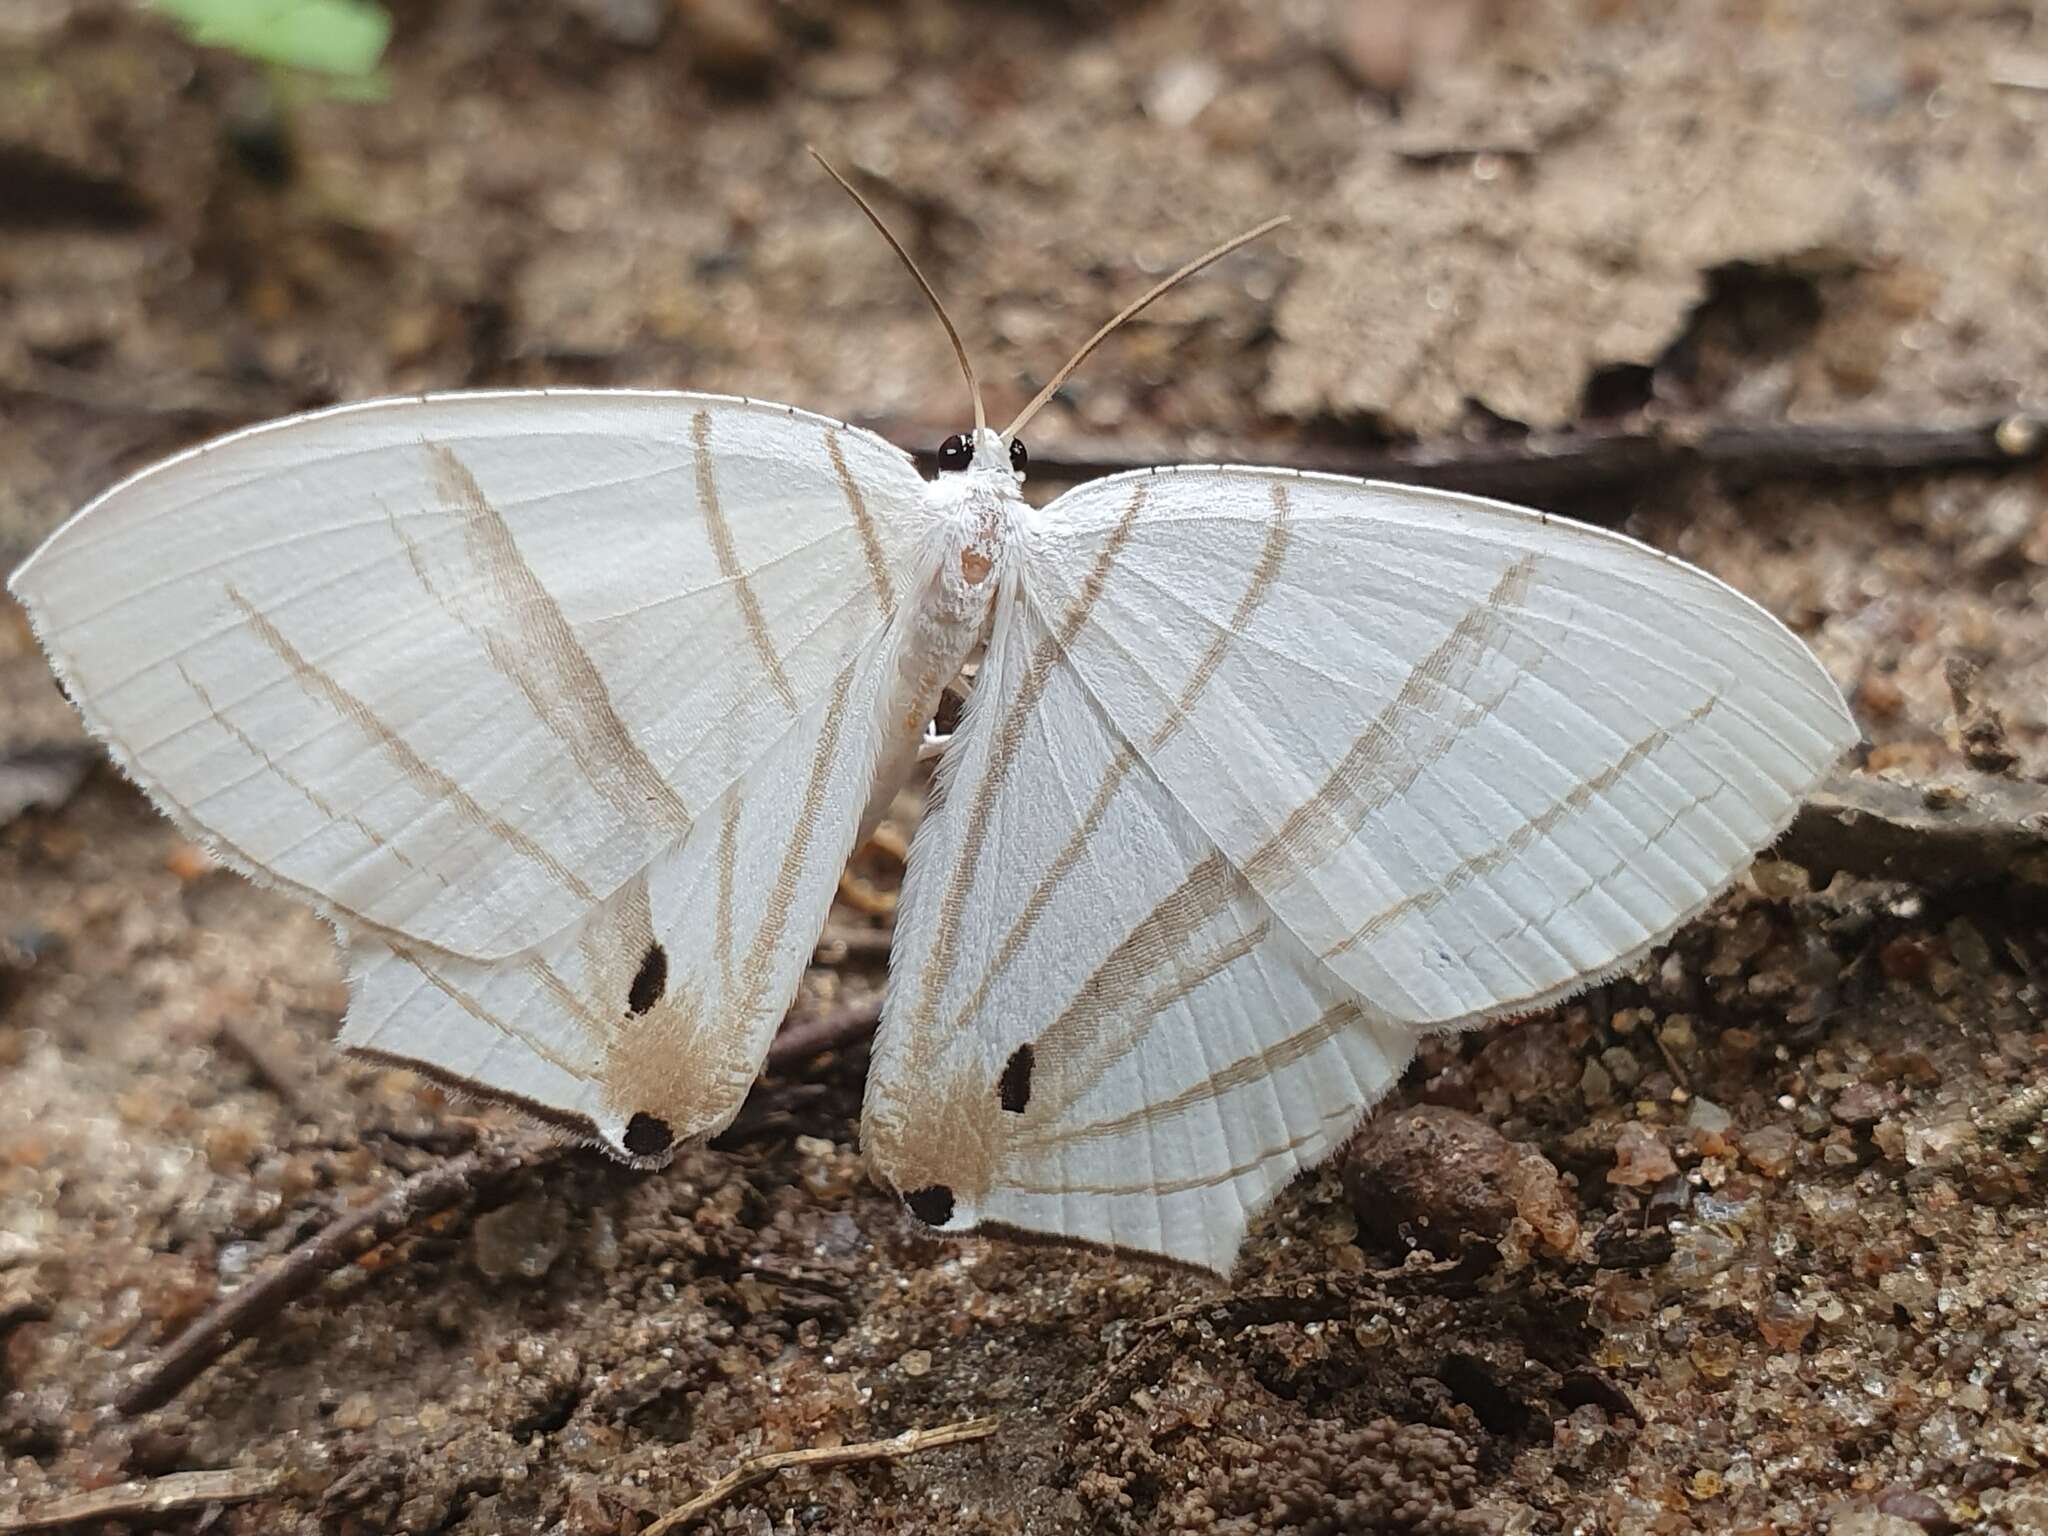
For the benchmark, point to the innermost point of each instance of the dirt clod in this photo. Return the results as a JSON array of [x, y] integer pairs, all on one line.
[[1428, 1173]]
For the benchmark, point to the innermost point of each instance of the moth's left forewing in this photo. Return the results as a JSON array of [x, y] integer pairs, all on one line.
[[457, 667], [1094, 1031], [562, 705]]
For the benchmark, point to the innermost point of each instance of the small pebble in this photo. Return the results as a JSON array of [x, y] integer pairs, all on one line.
[[1640, 1158], [357, 1411], [1622, 1065], [521, 1240], [1783, 1323], [1922, 1509], [1706, 1115], [1861, 1104], [1771, 1150], [1597, 1085], [1677, 1036]]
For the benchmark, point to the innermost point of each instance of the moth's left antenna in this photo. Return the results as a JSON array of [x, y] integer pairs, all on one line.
[[874, 218]]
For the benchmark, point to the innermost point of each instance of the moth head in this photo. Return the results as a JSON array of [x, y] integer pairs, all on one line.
[[982, 449]]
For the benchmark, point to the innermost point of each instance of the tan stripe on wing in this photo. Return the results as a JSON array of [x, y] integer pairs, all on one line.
[[728, 865], [754, 972], [720, 533], [870, 537], [480, 1013], [1317, 1132], [1101, 1025], [312, 796], [1265, 573], [423, 775], [534, 647], [1517, 842], [1390, 754], [1330, 1023]]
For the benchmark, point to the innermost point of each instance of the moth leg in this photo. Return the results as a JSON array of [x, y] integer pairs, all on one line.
[[934, 744], [861, 892]]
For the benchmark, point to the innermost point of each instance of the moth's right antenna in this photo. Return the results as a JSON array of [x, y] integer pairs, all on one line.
[[874, 218], [1010, 432]]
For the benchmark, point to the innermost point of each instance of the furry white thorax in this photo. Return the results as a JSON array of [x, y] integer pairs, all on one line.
[[974, 511]]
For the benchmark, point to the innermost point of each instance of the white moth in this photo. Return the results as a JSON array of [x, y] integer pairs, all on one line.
[[567, 708]]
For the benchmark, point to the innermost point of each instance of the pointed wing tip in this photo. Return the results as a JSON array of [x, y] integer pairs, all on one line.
[[940, 1212]]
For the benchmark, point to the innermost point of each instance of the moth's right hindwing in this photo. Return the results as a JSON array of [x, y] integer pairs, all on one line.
[[1095, 1030]]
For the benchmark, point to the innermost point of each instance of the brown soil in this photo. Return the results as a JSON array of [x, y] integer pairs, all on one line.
[[1803, 1148]]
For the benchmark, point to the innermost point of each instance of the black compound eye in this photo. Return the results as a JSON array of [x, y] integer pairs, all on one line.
[[956, 452], [1018, 457]]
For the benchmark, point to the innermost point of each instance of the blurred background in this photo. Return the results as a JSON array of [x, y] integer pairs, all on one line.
[[1587, 233]]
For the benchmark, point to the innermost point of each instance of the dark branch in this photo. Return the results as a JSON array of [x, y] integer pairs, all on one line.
[[1310, 1301], [801, 1039], [1985, 832], [251, 1307], [1547, 466]]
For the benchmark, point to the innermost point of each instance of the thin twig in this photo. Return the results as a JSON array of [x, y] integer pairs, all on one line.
[[758, 1469], [842, 944], [249, 1308], [864, 896], [1539, 466], [1549, 466], [133, 1501], [1984, 832], [234, 1038], [2018, 72], [801, 1039]]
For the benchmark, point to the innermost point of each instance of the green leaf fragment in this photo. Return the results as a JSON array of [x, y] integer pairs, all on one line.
[[342, 38]]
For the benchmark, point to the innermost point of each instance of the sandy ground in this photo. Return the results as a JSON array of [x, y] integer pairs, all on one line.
[[1763, 1225]]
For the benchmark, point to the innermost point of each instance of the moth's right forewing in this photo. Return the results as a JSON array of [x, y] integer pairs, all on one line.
[[455, 669], [1472, 757]]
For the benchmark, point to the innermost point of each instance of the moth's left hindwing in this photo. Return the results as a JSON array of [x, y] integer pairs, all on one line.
[[494, 680], [646, 1022]]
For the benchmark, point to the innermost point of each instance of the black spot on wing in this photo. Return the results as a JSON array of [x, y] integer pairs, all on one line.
[[649, 982], [647, 1136], [1013, 1088], [932, 1205]]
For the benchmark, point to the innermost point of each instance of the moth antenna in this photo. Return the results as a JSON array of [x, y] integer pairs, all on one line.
[[874, 218], [1216, 254]]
